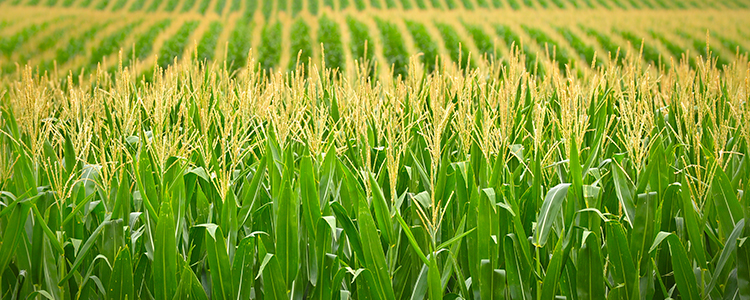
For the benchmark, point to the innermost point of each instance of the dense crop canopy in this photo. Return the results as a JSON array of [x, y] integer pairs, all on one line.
[[471, 184]]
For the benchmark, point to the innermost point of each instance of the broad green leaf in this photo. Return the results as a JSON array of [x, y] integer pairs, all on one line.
[[549, 212], [287, 236], [590, 280], [165, 254], [373, 251], [725, 201], [519, 285], [242, 268], [622, 266], [218, 262], [382, 212], [683, 271], [274, 287], [121, 282]]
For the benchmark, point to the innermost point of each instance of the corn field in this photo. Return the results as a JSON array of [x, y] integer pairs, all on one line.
[[621, 181]]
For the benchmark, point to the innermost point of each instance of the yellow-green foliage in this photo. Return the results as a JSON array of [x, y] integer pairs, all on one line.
[[247, 185]]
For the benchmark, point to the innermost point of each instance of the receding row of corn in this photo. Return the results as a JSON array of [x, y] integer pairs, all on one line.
[[466, 42], [489, 183], [312, 5]]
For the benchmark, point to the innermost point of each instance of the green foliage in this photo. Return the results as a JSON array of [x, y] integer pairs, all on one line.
[[528, 3], [267, 9], [731, 45], [393, 47], [451, 4], [85, 3], [458, 52], [68, 3], [111, 43], [704, 47], [391, 4], [119, 4], [424, 43], [239, 45], [269, 50], [558, 3], [281, 5], [420, 4], [359, 4], [543, 4], [235, 6], [219, 6], [301, 44], [513, 41], [250, 7], [187, 5], [203, 6], [297, 6], [138, 5], [77, 45], [585, 52], [483, 4], [436, 4], [606, 42], [329, 34], [10, 44], [546, 43], [171, 5], [514, 4], [207, 45], [102, 4], [361, 44], [312, 6], [675, 50], [482, 40], [457, 185], [174, 47], [650, 54], [145, 42], [329, 4], [154, 5], [375, 4], [468, 4], [604, 4], [406, 4]]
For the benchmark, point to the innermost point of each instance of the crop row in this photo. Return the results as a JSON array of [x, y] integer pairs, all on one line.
[[565, 45], [174, 47], [619, 184], [312, 5]]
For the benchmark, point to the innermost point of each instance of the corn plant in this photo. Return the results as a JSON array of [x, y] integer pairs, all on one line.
[[207, 45], [482, 40], [137, 5], [312, 6], [239, 45], [393, 47], [424, 43], [111, 43], [329, 35], [301, 45], [270, 46], [219, 6], [203, 6], [187, 5], [362, 46], [174, 47], [451, 185], [459, 53]]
